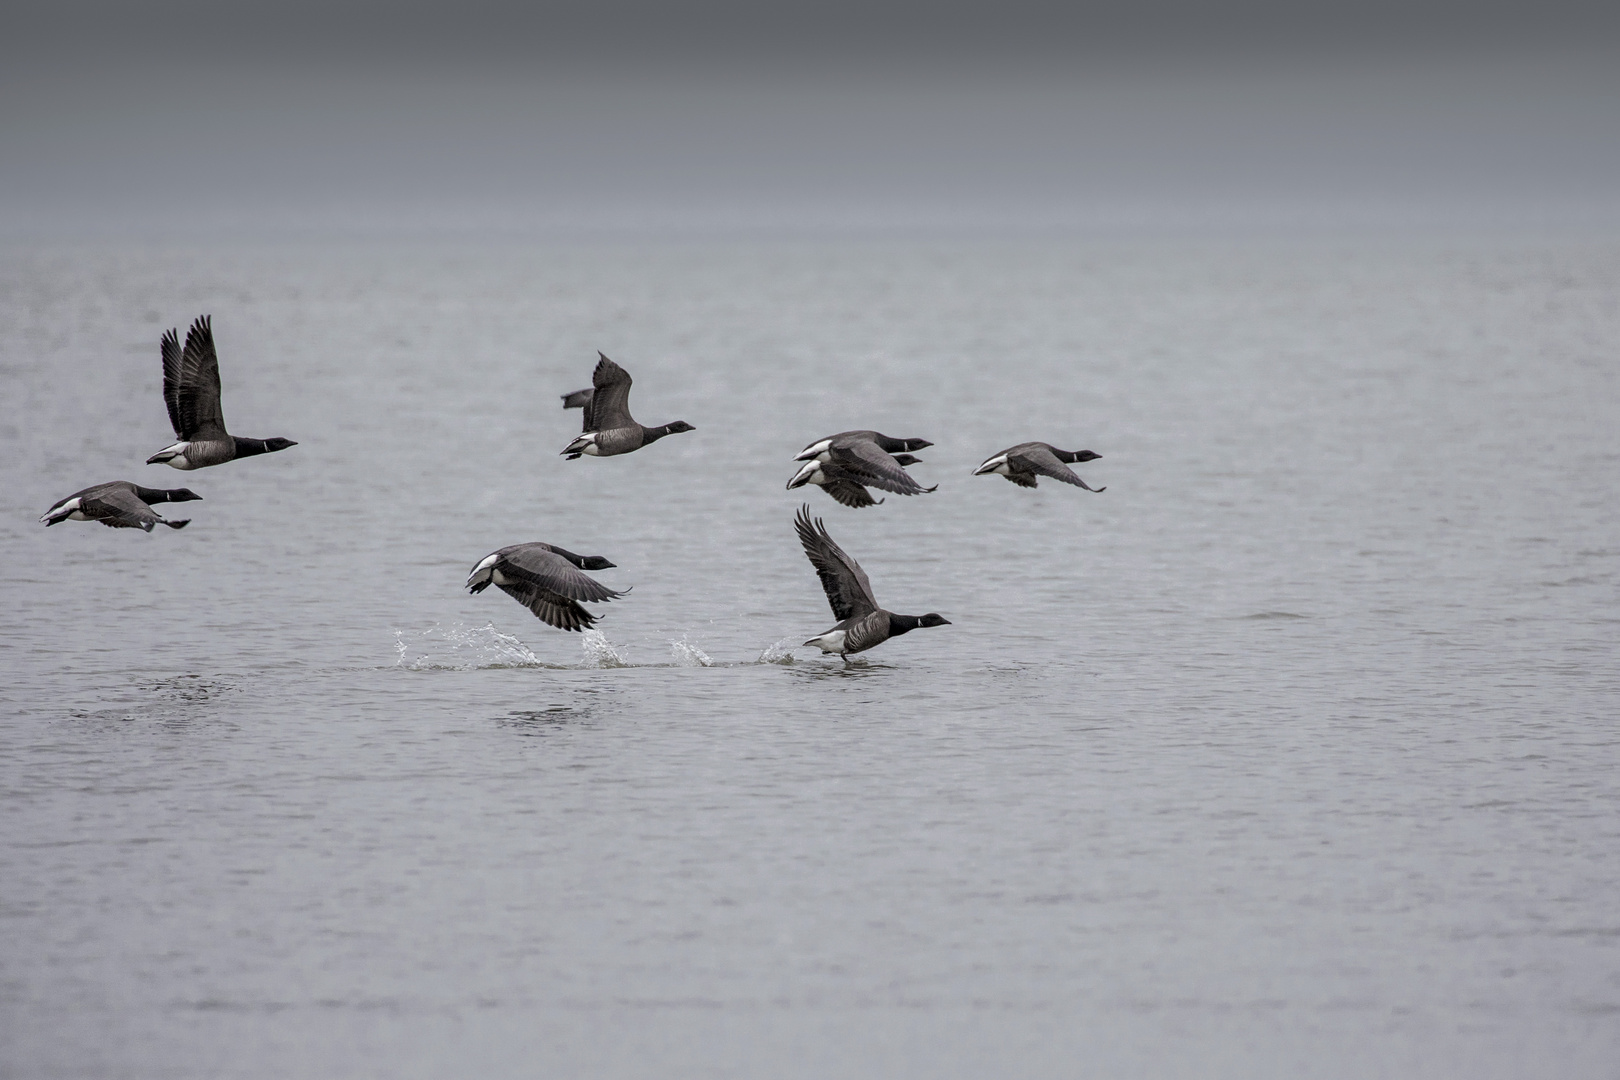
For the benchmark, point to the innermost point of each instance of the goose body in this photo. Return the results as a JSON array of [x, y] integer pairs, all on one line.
[[546, 579], [191, 391], [861, 623], [842, 484], [846, 464], [119, 505], [1025, 463], [823, 448], [609, 429]]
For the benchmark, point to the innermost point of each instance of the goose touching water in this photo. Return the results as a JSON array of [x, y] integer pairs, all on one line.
[[546, 579], [609, 427], [191, 391], [861, 623], [119, 505], [1025, 463]]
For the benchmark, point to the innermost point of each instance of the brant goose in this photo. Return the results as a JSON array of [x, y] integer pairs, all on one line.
[[191, 390], [862, 457], [546, 579], [862, 624], [1023, 462], [839, 483], [119, 505], [822, 448], [609, 428]]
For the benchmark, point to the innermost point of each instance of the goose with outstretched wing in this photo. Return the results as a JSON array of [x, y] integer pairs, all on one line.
[[119, 505], [609, 428], [548, 580], [191, 392], [861, 623], [1025, 463]]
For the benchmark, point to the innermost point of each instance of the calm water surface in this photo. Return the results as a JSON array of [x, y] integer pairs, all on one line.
[[1294, 753]]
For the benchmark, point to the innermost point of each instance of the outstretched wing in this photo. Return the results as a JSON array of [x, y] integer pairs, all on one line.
[[538, 566], [869, 465], [581, 399], [610, 404], [849, 493], [119, 508], [842, 579], [192, 390], [171, 380], [1039, 458], [548, 607]]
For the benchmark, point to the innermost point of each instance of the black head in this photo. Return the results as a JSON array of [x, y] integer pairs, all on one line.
[[678, 426], [906, 459], [1082, 455], [277, 444], [932, 619], [916, 444], [183, 495], [595, 562]]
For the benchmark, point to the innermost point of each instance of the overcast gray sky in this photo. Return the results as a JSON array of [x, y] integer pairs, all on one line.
[[306, 117]]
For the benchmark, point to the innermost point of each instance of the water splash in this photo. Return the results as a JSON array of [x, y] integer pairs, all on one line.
[[461, 648], [688, 655], [779, 653], [599, 652]]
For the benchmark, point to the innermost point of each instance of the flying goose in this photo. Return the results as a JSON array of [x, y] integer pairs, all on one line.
[[862, 624], [822, 448], [119, 505], [546, 579], [1023, 462], [841, 484], [191, 390], [609, 428], [862, 457]]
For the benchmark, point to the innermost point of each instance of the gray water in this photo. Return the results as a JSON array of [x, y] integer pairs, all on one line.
[[1291, 754]]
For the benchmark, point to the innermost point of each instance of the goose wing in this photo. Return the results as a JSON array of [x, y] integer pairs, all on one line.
[[171, 380], [850, 493], [1038, 457], [191, 383], [610, 403], [116, 506], [842, 579], [537, 566], [868, 464], [581, 399], [559, 611]]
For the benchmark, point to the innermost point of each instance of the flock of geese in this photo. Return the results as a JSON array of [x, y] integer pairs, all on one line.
[[551, 581]]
